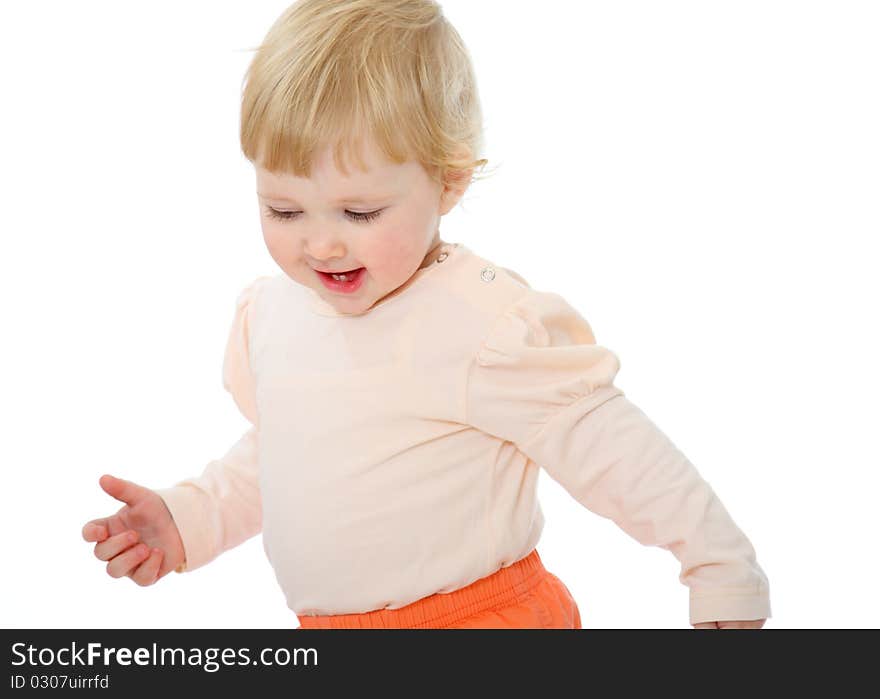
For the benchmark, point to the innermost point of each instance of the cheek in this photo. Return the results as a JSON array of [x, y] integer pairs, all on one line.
[[278, 244], [398, 246], [394, 251]]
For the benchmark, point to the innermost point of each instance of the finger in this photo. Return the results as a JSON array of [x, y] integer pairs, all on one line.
[[124, 491], [148, 572], [706, 625], [115, 545], [96, 530], [123, 564]]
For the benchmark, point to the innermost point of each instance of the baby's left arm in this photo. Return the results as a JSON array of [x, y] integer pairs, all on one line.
[[540, 381], [617, 463]]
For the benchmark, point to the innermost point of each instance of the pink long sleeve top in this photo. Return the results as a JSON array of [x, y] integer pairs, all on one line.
[[395, 454]]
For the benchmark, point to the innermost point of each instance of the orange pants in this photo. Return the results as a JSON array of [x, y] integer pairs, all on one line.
[[522, 596]]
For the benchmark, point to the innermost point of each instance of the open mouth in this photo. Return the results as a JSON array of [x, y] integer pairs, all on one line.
[[345, 282], [348, 273]]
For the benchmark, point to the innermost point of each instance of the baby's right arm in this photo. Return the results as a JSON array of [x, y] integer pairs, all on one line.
[[219, 509], [222, 507], [183, 527], [197, 519]]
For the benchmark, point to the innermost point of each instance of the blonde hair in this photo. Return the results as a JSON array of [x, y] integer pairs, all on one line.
[[332, 72]]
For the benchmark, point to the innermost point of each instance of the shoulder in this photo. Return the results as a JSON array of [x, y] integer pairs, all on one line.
[[481, 289], [256, 294], [498, 308], [459, 308], [494, 299], [249, 293]]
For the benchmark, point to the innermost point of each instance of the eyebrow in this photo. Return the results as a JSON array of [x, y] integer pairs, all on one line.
[[344, 200]]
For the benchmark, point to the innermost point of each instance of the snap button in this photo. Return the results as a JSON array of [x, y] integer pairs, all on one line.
[[488, 274]]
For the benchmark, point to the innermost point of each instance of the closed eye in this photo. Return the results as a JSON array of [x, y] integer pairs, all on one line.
[[291, 215]]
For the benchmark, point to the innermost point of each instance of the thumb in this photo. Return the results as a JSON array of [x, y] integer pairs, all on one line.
[[122, 490]]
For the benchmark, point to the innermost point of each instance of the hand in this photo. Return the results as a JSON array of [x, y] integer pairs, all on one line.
[[753, 624], [141, 541]]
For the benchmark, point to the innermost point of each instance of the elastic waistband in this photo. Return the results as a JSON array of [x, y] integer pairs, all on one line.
[[504, 587]]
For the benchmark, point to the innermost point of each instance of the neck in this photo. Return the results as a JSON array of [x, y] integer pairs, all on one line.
[[432, 255]]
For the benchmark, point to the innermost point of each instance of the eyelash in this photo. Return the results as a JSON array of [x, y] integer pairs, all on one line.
[[291, 215]]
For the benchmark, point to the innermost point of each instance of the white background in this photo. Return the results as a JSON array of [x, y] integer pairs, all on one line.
[[700, 179]]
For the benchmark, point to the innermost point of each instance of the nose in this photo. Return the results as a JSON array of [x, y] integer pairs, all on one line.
[[323, 246]]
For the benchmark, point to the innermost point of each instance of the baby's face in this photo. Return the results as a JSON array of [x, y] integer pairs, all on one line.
[[385, 220]]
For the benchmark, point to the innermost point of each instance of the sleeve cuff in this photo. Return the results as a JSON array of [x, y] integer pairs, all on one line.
[[192, 525], [730, 606]]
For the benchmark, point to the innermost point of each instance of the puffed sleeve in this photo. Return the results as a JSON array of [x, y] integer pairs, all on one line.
[[222, 507], [540, 381]]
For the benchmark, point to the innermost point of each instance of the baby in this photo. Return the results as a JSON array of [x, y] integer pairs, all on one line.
[[402, 392]]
